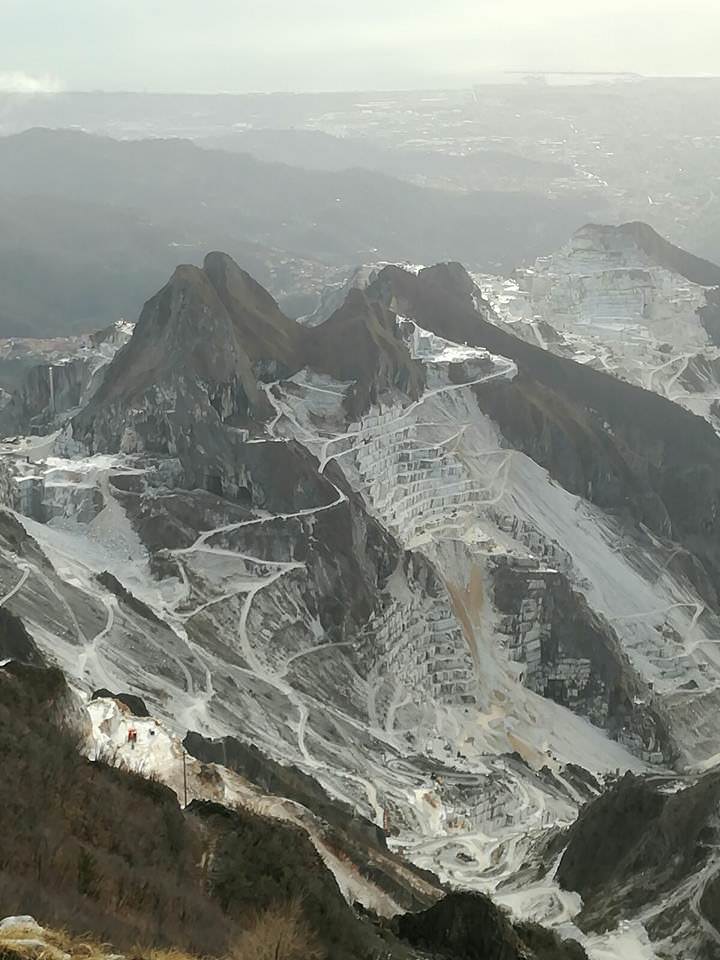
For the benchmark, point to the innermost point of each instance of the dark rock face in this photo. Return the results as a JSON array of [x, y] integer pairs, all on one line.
[[360, 342], [135, 704], [187, 352], [270, 339], [170, 520], [634, 844], [546, 945], [469, 926], [626, 449], [354, 839], [16, 539], [15, 642], [612, 696], [48, 391], [112, 584], [575, 657], [283, 781]]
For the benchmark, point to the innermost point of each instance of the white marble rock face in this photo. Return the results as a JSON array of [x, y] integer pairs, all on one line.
[[604, 301]]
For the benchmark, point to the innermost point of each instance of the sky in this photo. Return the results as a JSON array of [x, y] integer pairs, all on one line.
[[256, 45]]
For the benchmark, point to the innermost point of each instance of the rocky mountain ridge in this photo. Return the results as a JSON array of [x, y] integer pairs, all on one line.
[[214, 338], [91, 224]]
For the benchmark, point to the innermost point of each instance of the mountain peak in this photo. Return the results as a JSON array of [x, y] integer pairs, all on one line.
[[185, 327], [654, 246], [360, 342], [212, 334], [209, 333], [266, 333], [233, 283]]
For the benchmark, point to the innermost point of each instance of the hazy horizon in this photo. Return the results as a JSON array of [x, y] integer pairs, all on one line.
[[166, 47]]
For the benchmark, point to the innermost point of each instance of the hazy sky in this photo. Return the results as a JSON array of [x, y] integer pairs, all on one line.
[[241, 45]]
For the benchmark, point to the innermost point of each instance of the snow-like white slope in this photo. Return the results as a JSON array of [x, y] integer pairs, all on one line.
[[438, 473], [603, 280], [604, 302]]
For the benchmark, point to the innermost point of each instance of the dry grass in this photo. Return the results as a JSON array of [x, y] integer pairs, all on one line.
[[278, 933], [139, 953], [22, 941], [25, 941]]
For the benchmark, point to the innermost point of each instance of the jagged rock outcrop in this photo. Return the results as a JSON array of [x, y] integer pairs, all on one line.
[[208, 341], [469, 926], [640, 844], [15, 642], [186, 360], [360, 342], [283, 781], [134, 704]]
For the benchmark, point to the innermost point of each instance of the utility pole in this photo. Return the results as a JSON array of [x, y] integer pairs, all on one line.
[[184, 756]]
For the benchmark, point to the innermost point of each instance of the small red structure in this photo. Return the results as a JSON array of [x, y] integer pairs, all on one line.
[[132, 737]]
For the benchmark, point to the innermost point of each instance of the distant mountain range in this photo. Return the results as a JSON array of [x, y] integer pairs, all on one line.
[[482, 168], [88, 224]]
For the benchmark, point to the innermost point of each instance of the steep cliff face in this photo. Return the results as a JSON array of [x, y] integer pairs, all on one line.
[[360, 342], [51, 380], [48, 392], [573, 656], [470, 926], [646, 845], [186, 360], [621, 447], [710, 316]]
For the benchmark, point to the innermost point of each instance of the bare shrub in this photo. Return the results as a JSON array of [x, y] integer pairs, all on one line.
[[279, 932]]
